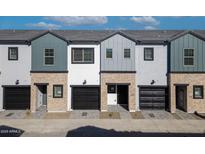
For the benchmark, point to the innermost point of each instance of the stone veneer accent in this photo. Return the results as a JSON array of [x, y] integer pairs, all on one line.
[[119, 78], [191, 79], [53, 104]]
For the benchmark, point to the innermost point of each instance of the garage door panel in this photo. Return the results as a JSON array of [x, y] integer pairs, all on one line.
[[152, 98], [17, 98], [85, 98]]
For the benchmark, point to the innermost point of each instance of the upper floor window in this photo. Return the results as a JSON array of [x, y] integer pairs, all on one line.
[[82, 55], [49, 57], [188, 57], [126, 53], [108, 53], [149, 54], [12, 53]]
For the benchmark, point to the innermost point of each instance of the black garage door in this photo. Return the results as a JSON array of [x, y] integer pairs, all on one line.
[[85, 98], [16, 98], [153, 97]]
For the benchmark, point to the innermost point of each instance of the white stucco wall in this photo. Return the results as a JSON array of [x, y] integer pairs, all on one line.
[[80, 72], [151, 70], [10, 71]]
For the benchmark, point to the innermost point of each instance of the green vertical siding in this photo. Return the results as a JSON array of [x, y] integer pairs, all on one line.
[[176, 54], [60, 50]]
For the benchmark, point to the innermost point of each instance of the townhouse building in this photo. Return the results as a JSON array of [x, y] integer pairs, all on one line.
[[65, 70]]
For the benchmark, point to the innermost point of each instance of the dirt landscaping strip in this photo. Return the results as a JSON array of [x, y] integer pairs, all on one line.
[[109, 115], [137, 115], [57, 115]]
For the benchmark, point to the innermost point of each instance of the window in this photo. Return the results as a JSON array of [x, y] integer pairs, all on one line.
[[12, 53], [57, 91], [126, 53], [108, 53], [149, 54], [111, 89], [82, 55], [49, 57], [188, 57], [198, 92]]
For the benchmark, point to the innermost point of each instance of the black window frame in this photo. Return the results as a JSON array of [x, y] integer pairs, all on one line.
[[188, 56], [107, 53], [49, 57], [126, 50], [109, 90], [9, 50], [145, 59], [83, 54], [202, 91], [57, 85]]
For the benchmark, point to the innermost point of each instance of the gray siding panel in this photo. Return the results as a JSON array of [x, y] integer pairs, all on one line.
[[118, 63], [60, 49], [187, 41]]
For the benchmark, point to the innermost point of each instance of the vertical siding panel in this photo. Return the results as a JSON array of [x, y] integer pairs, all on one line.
[[187, 41], [118, 63], [192, 45], [177, 57], [203, 55], [186, 45], [60, 49], [124, 44], [117, 53], [198, 52], [171, 55]]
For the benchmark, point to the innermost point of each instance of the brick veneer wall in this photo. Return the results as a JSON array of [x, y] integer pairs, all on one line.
[[53, 104], [191, 79], [119, 78]]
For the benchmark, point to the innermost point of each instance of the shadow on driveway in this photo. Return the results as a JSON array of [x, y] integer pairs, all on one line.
[[7, 131], [91, 131]]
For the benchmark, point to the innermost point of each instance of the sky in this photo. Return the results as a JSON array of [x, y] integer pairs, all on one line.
[[102, 22]]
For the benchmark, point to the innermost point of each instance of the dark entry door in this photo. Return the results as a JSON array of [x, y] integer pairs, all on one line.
[[16, 98], [181, 97], [43, 90], [85, 98], [122, 94]]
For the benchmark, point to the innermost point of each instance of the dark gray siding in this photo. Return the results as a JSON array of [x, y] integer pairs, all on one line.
[[60, 50], [176, 54], [118, 63]]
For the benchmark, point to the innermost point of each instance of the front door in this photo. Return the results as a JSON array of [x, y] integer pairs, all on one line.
[[122, 94], [181, 97]]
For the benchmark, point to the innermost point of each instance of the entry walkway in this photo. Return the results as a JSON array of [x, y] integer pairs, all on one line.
[[114, 112]]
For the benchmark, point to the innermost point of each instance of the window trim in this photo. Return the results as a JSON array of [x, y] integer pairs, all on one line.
[[57, 85], [198, 86], [17, 57], [152, 54], [189, 57], [129, 52], [44, 56], [82, 62], [115, 92], [106, 53]]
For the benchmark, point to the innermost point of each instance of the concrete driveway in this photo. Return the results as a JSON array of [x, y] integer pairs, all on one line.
[[101, 127]]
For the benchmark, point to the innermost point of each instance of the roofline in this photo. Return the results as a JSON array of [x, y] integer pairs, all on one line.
[[15, 42], [84, 42], [48, 32], [152, 42], [187, 32], [120, 33]]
